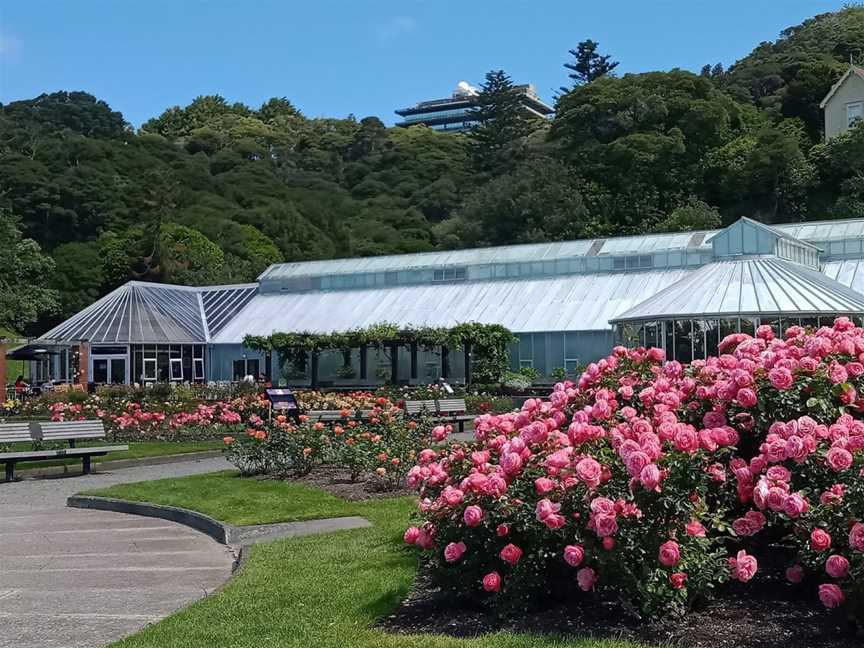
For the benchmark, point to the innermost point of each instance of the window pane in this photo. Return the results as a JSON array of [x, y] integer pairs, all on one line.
[[118, 371], [652, 334], [700, 327], [239, 369], [683, 331], [100, 370], [252, 368], [712, 337], [669, 328]]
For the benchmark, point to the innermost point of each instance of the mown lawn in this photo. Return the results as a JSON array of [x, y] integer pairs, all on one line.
[[230, 498], [314, 592], [137, 450]]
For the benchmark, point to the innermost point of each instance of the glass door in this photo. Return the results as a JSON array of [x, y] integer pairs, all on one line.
[[117, 371], [110, 370]]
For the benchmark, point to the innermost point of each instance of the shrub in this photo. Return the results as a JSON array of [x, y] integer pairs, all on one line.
[[659, 481]]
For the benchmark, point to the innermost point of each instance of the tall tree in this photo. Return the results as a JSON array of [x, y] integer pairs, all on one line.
[[588, 65], [502, 123], [23, 270]]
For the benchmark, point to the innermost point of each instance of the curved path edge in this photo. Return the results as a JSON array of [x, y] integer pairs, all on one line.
[[221, 532]]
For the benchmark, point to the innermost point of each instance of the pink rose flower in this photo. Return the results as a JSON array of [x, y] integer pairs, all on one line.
[[587, 579], [795, 506], [589, 471], [856, 537], [781, 378], [543, 485], [502, 530], [670, 553], [439, 433], [473, 516], [743, 566], [819, 540], [795, 574], [837, 566], [453, 551], [746, 396], [650, 477], [452, 496], [695, 528], [605, 525], [511, 554], [411, 535], [678, 579], [574, 555], [839, 459], [492, 582], [831, 595], [554, 521]]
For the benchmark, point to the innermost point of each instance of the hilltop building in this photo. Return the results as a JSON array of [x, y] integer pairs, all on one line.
[[453, 114]]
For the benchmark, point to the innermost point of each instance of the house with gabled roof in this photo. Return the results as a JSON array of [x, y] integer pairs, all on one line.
[[843, 106]]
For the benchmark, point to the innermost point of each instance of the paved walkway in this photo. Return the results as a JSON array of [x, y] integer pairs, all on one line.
[[72, 578]]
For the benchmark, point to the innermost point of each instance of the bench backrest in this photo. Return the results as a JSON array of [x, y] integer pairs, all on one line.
[[66, 430], [452, 406], [17, 432], [325, 415], [420, 406]]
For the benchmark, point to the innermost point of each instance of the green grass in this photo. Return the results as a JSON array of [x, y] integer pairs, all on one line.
[[238, 501], [137, 450], [315, 592]]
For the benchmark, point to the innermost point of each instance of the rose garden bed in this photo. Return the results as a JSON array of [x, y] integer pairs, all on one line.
[[770, 614]]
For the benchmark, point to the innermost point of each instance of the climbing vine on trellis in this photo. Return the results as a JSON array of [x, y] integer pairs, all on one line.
[[487, 343]]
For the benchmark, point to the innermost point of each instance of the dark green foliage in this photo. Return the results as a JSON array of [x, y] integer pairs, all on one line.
[[789, 77], [691, 216], [539, 201], [216, 191], [588, 65], [502, 124], [23, 294], [488, 344]]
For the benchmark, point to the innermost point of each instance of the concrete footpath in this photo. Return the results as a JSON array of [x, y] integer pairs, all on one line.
[[72, 578]]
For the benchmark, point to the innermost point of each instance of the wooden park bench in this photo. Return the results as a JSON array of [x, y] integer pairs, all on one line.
[[335, 416], [69, 431], [446, 410]]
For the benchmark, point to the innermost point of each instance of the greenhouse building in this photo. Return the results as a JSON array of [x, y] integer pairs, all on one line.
[[567, 303]]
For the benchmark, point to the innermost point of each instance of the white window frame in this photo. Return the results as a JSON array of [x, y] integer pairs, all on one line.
[[175, 363], [152, 363], [858, 107], [198, 368]]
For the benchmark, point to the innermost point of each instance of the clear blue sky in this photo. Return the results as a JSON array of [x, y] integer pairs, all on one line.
[[365, 57]]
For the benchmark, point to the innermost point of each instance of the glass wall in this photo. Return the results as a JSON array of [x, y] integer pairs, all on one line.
[[686, 340], [167, 363]]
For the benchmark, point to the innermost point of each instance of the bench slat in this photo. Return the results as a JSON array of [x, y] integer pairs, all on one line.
[[17, 432], [65, 430], [452, 405], [59, 454], [415, 407]]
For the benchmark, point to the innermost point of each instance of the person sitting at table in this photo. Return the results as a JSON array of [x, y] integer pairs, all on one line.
[[20, 385]]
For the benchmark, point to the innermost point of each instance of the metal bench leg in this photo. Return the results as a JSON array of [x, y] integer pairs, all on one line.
[[10, 471], [85, 462], [461, 426]]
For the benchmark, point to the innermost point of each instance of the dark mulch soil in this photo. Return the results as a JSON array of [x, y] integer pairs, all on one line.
[[770, 614], [337, 481]]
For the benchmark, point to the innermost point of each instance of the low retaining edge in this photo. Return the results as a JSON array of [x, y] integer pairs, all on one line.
[[221, 532]]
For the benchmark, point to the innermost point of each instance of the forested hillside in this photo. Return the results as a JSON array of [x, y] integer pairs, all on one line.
[[214, 192]]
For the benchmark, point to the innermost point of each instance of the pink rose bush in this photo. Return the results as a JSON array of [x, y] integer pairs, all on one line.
[[661, 481]]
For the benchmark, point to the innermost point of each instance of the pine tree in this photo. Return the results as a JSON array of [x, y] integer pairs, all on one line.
[[588, 65], [501, 122]]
